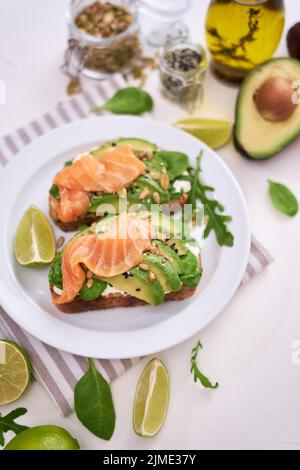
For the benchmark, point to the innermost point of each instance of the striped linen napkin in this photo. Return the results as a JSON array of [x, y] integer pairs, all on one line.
[[56, 370]]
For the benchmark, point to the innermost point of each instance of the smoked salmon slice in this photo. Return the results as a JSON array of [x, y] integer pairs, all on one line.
[[118, 247], [71, 205], [115, 169]]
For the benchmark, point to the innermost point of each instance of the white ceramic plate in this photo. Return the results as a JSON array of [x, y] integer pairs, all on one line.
[[116, 333]]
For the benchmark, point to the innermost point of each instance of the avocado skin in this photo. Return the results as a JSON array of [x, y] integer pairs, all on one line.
[[238, 146]]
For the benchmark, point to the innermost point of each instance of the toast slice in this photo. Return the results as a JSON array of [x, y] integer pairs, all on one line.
[[116, 300], [89, 218]]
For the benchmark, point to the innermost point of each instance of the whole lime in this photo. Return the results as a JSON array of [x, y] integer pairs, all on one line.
[[43, 438]]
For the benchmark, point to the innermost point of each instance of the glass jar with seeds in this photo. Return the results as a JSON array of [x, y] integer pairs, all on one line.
[[182, 65], [104, 38]]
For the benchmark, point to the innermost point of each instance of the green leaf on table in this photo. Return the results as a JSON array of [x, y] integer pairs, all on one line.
[[176, 162], [7, 423], [130, 100], [198, 376], [283, 199], [94, 404]]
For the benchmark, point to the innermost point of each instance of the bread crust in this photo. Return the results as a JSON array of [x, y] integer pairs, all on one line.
[[116, 300], [89, 219]]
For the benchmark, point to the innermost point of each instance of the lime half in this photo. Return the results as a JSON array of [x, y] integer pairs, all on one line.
[[212, 132], [151, 399], [14, 371], [43, 438], [34, 242]]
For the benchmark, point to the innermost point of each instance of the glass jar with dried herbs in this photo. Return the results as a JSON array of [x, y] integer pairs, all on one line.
[[242, 34], [182, 65], [104, 38]]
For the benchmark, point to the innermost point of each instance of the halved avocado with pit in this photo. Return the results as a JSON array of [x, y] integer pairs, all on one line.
[[256, 136], [136, 283]]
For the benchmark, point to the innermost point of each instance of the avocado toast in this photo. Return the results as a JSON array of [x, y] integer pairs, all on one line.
[[107, 266], [90, 185]]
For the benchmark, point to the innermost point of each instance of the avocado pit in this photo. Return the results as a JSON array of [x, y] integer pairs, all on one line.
[[274, 99]]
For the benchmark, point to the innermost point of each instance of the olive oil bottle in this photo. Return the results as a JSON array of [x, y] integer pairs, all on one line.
[[242, 34]]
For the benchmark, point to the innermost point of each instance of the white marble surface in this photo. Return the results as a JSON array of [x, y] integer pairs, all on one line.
[[248, 349]]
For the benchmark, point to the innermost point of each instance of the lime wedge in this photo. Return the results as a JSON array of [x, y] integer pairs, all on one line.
[[213, 132], [151, 399], [43, 438], [34, 242], [14, 371]]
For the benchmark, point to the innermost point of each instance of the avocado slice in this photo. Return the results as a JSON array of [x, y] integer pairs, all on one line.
[[177, 245], [136, 283], [164, 272], [169, 254], [255, 137], [139, 145]]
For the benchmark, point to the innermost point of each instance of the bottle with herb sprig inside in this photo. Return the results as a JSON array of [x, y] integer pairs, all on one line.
[[242, 34]]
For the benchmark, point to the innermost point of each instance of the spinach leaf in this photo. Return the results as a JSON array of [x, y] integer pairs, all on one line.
[[55, 273], [94, 404], [205, 382], [283, 199], [130, 100], [93, 292], [54, 191], [176, 162], [7, 423], [191, 271]]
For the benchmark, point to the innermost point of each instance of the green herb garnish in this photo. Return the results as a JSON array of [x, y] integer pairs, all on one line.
[[54, 191], [55, 273], [130, 100], [94, 404], [198, 376], [7, 423], [213, 209], [68, 163], [283, 199]]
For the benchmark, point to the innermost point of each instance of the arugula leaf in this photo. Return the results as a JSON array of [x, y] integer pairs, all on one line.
[[283, 199], [177, 162], [216, 219], [94, 404], [130, 100], [7, 423], [205, 382]]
